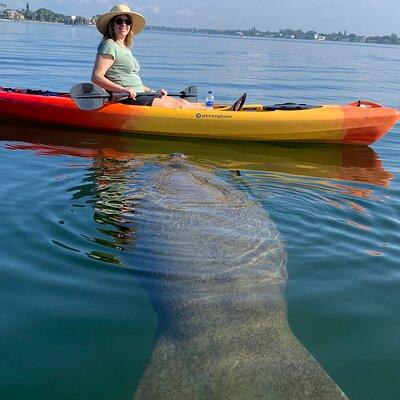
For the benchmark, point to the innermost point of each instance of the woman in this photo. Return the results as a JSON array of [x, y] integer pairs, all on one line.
[[115, 68]]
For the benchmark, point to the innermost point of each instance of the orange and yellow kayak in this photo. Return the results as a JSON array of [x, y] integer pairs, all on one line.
[[361, 122]]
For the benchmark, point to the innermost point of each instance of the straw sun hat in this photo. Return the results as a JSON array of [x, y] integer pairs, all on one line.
[[138, 21]]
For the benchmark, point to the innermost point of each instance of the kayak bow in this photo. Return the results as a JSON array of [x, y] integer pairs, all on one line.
[[361, 122]]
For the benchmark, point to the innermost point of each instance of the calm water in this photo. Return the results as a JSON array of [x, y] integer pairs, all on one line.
[[75, 322]]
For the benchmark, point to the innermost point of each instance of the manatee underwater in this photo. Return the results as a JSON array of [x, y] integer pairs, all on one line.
[[214, 267]]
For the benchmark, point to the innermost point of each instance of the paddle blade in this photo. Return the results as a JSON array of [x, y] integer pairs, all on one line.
[[190, 93], [88, 96]]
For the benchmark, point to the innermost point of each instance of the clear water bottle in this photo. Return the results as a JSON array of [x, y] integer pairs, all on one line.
[[209, 100]]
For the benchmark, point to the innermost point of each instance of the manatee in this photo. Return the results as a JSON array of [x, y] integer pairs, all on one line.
[[214, 266]]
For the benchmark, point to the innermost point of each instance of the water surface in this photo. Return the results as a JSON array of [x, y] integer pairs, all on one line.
[[75, 321]]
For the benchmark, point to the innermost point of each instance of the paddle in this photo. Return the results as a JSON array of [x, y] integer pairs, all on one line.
[[89, 96]]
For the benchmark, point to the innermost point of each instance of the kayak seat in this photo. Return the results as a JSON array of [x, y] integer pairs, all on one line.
[[238, 104]]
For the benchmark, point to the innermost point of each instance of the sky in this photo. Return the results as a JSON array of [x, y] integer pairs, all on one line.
[[363, 17]]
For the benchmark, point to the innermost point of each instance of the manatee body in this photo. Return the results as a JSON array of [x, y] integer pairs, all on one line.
[[214, 267]]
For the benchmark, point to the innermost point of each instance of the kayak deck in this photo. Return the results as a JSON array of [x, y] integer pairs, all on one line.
[[358, 123]]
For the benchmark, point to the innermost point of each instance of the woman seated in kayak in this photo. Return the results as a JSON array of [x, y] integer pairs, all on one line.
[[115, 68]]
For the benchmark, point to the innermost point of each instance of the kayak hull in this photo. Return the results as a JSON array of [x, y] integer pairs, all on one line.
[[356, 123]]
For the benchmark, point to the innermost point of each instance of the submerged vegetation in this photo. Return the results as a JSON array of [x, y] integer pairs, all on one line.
[[45, 15]]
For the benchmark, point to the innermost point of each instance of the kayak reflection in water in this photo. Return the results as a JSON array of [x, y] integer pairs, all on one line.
[[115, 69]]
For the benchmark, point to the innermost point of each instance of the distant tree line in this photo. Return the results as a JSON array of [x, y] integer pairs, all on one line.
[[45, 15], [289, 34], [338, 37]]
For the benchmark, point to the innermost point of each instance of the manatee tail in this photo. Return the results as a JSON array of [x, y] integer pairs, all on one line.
[[234, 351]]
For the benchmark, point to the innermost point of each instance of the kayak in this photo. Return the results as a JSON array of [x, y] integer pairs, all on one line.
[[360, 122]]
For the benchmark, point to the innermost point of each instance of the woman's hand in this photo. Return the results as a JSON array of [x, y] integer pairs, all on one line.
[[162, 91], [131, 91]]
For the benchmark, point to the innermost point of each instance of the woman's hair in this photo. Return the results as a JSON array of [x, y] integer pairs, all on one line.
[[111, 34]]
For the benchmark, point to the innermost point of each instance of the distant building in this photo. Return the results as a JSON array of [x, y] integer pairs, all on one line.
[[11, 14], [319, 37]]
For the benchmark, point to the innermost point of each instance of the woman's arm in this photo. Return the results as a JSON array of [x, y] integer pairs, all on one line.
[[101, 65]]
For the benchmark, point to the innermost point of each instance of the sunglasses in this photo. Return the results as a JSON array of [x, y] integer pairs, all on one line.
[[126, 21]]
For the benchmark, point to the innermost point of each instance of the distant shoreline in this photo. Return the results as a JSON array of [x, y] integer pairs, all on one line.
[[290, 34], [287, 33], [29, 21]]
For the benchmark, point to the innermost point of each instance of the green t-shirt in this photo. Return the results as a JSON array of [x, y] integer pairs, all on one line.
[[125, 70]]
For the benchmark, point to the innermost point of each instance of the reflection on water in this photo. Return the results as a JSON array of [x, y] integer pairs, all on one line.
[[325, 171], [338, 162]]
